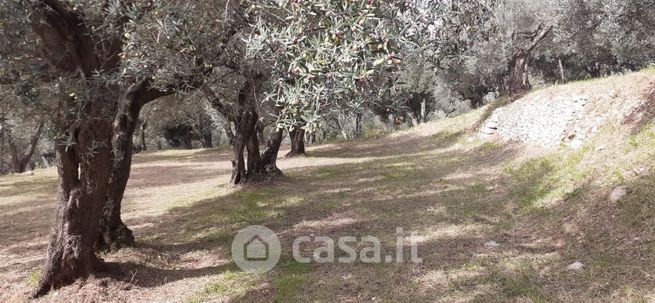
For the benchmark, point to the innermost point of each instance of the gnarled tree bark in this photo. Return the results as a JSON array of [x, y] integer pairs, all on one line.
[[516, 80], [297, 136], [256, 166], [114, 233], [94, 169], [93, 155], [269, 158], [84, 169]]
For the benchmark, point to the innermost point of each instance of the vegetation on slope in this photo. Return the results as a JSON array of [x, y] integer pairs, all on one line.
[[545, 209]]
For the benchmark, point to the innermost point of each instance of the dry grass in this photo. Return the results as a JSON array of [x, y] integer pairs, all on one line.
[[545, 209]]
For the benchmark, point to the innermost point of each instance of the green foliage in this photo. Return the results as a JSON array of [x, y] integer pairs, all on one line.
[[323, 54]]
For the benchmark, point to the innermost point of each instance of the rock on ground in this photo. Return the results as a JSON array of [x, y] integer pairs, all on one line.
[[575, 266], [618, 194]]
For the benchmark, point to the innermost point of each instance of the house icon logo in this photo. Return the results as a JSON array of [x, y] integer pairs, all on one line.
[[256, 249]]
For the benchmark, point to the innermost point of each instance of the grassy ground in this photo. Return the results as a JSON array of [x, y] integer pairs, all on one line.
[[545, 209]]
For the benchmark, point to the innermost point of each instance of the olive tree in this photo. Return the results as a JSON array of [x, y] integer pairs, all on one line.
[[105, 58], [322, 55]]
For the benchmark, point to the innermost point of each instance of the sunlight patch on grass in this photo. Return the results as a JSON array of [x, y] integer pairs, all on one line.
[[33, 279], [17, 188], [290, 282], [148, 239], [530, 182], [650, 69], [213, 235], [171, 155], [231, 283], [644, 138], [446, 138], [293, 200], [451, 231], [176, 197], [489, 147], [327, 171]]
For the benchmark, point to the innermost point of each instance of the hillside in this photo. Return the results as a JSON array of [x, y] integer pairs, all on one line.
[[572, 114], [497, 220]]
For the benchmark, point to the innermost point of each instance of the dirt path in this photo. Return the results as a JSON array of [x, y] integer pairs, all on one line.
[[458, 193]]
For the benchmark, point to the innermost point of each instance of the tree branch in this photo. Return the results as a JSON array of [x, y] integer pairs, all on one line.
[[538, 38], [141, 93], [33, 142], [216, 102]]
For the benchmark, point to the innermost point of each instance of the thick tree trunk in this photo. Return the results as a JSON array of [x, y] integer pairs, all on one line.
[[269, 158], [258, 166], [244, 126], [14, 157], [83, 179], [114, 233], [245, 138], [255, 169], [84, 167], [516, 80], [297, 137]]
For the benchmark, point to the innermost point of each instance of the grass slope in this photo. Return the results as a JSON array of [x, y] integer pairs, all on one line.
[[546, 209]]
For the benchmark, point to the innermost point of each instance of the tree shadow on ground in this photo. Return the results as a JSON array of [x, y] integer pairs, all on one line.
[[422, 192], [149, 276], [396, 145], [536, 243], [457, 198], [162, 175], [182, 155]]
